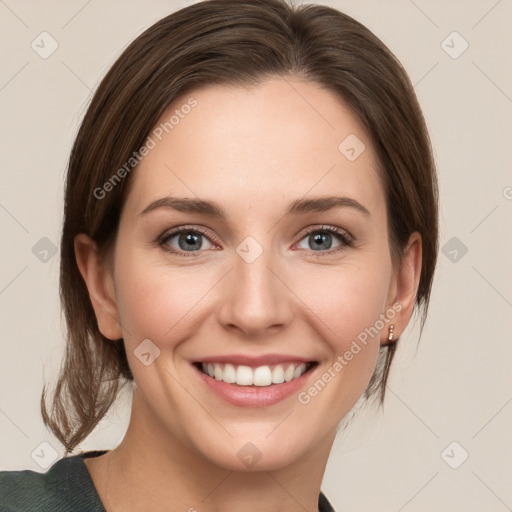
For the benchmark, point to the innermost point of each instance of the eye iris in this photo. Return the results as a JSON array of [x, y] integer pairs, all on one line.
[[190, 240], [320, 238]]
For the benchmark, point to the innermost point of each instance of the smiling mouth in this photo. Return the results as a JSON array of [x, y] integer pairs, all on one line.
[[266, 375]]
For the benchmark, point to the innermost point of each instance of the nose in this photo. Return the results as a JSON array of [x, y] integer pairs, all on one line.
[[255, 298]]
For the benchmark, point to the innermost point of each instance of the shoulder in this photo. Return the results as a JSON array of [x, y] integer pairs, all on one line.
[[66, 486], [21, 490]]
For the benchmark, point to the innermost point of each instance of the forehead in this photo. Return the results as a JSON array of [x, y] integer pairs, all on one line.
[[283, 138]]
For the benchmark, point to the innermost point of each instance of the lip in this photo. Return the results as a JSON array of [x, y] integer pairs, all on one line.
[[255, 361], [253, 396]]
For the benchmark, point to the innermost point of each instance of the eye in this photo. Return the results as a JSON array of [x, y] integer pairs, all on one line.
[[185, 240], [322, 240]]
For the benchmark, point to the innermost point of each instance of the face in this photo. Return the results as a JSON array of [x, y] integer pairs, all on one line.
[[266, 277]]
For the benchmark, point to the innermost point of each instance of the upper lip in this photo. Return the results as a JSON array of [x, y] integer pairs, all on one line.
[[255, 361]]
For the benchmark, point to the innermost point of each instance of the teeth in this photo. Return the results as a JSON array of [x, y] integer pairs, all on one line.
[[244, 376], [288, 374], [299, 371], [278, 374], [229, 374], [260, 376]]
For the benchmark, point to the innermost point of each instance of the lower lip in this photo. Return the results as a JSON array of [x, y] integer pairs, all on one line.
[[254, 396]]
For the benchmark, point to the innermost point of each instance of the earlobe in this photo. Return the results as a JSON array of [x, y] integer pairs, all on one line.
[[100, 284], [405, 288]]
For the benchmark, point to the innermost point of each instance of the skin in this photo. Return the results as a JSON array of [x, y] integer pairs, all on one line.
[[252, 150]]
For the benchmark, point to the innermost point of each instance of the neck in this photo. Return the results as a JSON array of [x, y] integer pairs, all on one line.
[[151, 468]]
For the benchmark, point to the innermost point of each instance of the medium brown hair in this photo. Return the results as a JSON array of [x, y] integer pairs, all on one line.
[[238, 43]]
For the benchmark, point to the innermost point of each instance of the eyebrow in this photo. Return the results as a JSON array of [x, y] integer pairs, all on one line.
[[297, 207]]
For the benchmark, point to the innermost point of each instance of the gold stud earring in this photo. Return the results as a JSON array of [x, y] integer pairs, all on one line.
[[391, 329]]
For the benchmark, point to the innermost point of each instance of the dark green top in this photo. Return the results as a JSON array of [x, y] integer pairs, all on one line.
[[66, 487]]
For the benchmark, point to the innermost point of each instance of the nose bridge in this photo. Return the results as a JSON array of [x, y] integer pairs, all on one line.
[[255, 299]]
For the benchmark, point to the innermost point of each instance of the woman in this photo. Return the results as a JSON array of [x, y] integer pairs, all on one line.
[[250, 221]]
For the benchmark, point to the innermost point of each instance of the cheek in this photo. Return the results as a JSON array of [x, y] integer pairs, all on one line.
[[344, 316], [348, 316], [157, 302], [348, 299]]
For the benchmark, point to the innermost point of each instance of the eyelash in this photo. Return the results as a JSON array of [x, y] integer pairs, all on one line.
[[344, 237]]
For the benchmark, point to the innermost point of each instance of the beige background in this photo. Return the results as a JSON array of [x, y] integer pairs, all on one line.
[[454, 387]]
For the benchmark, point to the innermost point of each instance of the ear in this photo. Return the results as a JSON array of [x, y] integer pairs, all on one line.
[[404, 287], [100, 283]]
